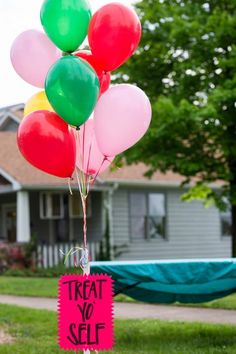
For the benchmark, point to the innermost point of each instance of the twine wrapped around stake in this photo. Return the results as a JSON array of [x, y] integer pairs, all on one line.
[[84, 182]]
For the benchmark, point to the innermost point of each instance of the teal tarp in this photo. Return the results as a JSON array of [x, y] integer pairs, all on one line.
[[186, 281]]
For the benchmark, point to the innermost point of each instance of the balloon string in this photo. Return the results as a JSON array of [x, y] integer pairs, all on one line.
[[84, 207], [85, 260], [95, 177], [83, 150], [88, 183], [88, 162], [82, 176], [83, 190], [71, 252], [78, 181], [84, 204], [69, 186]]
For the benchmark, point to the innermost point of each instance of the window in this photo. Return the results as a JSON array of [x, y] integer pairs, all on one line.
[[138, 212], [147, 215], [51, 206], [156, 215], [61, 227], [75, 206], [226, 224]]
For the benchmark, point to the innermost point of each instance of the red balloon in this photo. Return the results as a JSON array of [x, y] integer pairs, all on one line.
[[114, 34], [88, 56], [103, 76], [105, 81], [48, 143]]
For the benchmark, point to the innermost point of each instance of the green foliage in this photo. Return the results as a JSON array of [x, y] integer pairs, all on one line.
[[30, 250], [41, 272], [186, 63], [201, 191], [47, 287]]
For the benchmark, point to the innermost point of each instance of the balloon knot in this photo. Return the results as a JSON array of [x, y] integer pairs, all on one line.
[[65, 54], [77, 128]]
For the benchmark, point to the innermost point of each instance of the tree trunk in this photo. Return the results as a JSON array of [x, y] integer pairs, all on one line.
[[232, 166], [233, 213]]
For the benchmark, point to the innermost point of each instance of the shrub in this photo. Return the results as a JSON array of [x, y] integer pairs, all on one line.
[[53, 272], [15, 256]]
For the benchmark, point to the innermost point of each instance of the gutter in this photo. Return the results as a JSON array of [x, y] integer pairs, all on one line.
[[63, 187], [15, 184], [163, 184]]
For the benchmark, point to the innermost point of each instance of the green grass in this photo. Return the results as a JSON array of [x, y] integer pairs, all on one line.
[[47, 287], [39, 287], [227, 302], [35, 333]]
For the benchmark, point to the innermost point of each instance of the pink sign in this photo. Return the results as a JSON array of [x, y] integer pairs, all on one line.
[[85, 312]]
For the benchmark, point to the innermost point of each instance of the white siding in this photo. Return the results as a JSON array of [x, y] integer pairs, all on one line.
[[192, 231], [120, 207]]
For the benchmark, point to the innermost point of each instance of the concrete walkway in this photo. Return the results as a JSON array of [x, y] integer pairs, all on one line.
[[137, 311]]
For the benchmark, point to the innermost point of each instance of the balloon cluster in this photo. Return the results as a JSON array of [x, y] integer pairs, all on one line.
[[79, 121]]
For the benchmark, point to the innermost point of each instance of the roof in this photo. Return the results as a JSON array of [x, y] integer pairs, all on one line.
[[135, 174], [17, 110], [13, 163], [15, 166], [19, 113]]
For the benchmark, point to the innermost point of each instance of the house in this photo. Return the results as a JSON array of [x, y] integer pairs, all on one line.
[[146, 218]]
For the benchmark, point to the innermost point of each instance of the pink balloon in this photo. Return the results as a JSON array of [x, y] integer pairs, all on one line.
[[122, 116], [32, 54], [90, 160]]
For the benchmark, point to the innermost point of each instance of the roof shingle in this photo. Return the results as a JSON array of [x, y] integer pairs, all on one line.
[[13, 163]]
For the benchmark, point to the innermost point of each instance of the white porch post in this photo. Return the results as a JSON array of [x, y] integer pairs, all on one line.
[[110, 223], [108, 204], [23, 217]]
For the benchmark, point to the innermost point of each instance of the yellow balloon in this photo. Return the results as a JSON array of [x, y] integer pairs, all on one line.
[[36, 103]]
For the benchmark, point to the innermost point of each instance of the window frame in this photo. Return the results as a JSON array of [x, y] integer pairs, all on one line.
[[147, 237], [49, 209], [223, 235]]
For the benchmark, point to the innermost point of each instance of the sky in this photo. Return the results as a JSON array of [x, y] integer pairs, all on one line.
[[17, 16]]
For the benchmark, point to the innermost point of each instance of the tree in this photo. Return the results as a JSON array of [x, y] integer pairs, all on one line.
[[186, 63]]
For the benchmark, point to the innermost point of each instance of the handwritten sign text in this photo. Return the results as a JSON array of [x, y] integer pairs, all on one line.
[[85, 312]]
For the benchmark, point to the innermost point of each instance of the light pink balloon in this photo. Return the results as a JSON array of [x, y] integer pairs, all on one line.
[[32, 54], [89, 158], [122, 116]]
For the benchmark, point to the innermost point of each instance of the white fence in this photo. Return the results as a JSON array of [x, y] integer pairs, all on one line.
[[50, 255]]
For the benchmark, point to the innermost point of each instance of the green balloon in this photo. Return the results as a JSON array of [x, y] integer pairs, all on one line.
[[72, 88], [66, 22]]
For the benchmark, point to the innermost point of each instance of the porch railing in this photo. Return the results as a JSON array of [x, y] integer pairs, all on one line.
[[49, 255]]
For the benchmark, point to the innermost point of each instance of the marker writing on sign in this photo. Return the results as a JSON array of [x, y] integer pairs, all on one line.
[[84, 290], [82, 333], [85, 312]]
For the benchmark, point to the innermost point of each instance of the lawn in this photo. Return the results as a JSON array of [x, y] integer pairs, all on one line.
[[39, 287], [35, 333], [47, 287]]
